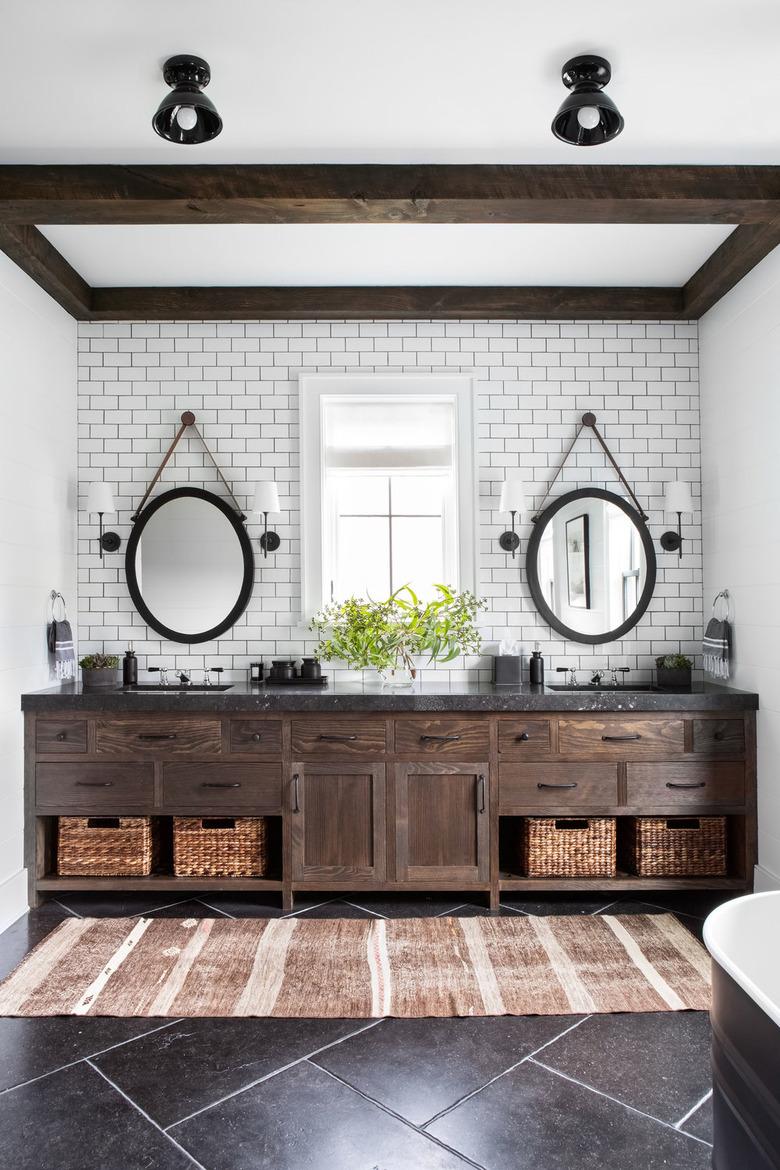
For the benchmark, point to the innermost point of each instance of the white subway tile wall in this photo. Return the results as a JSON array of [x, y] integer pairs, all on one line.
[[533, 382]]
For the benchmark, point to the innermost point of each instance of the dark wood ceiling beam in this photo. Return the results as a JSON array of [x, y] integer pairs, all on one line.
[[395, 303], [736, 256], [28, 248], [388, 194]]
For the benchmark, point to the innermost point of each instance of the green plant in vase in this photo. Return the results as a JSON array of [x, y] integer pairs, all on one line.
[[389, 635]]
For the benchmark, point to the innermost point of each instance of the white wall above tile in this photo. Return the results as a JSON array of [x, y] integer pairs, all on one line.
[[534, 381]]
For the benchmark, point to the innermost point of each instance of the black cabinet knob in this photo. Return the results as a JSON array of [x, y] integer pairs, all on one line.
[[256, 737]]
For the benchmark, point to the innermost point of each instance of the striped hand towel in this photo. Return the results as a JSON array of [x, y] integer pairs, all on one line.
[[716, 648], [60, 638]]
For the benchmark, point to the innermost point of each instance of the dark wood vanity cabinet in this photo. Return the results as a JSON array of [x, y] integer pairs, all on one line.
[[390, 801], [442, 823], [337, 820]]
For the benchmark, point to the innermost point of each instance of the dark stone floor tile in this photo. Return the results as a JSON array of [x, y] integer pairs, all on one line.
[[480, 911], [700, 1122], [420, 1067], [410, 905], [175, 1072], [303, 1119], [34, 1046], [335, 910], [192, 908], [20, 938], [658, 1062], [117, 905], [695, 903], [74, 1120], [557, 903], [531, 1119], [248, 905]]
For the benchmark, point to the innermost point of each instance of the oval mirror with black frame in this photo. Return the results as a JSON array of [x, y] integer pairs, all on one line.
[[591, 566], [190, 566]]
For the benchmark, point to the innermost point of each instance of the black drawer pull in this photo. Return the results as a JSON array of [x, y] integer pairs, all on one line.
[[94, 783], [296, 803], [439, 738], [619, 738], [719, 735], [573, 784], [337, 738], [256, 737], [61, 736], [481, 794], [220, 784], [695, 784], [158, 735], [523, 737]]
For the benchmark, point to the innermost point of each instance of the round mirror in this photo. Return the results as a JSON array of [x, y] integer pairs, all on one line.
[[591, 566], [190, 567]]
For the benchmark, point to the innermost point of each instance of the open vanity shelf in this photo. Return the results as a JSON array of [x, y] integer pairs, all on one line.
[[365, 794]]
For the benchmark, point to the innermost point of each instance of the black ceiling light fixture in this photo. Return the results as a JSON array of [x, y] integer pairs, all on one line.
[[186, 115], [587, 116]]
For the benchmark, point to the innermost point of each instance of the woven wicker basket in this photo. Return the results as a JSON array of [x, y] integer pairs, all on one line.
[[676, 846], [105, 846], [220, 846], [568, 847]]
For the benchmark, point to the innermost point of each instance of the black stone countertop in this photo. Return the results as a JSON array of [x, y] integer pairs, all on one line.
[[351, 697]]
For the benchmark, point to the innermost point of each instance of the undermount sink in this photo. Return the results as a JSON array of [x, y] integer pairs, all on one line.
[[179, 687], [600, 689]]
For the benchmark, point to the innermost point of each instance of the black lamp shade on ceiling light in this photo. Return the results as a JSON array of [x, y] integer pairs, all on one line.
[[185, 114], [587, 117]]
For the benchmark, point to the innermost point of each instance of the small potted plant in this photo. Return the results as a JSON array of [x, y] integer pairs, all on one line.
[[673, 672], [99, 670], [389, 635]]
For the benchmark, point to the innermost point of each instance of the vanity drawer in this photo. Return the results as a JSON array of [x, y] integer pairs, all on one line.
[[54, 736], [123, 789], [719, 737], [203, 789], [524, 739], [159, 735], [256, 737], [685, 784], [345, 737], [621, 737], [463, 739], [540, 786]]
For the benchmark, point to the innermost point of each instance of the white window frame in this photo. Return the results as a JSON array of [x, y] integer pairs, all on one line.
[[312, 389]]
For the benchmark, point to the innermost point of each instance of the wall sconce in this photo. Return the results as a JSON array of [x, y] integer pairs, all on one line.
[[100, 500], [267, 500], [513, 501], [677, 499]]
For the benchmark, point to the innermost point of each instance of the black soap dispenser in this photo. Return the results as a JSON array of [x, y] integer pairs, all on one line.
[[536, 667], [129, 668]]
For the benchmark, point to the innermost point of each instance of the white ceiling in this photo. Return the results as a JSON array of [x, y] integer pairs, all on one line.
[[393, 254], [399, 81]]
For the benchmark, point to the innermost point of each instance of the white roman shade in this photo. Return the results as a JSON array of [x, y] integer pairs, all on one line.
[[390, 433]]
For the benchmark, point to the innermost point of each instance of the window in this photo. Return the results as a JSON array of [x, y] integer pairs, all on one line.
[[387, 486]]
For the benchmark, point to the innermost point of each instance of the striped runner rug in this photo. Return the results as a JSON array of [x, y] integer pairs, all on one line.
[[361, 968]]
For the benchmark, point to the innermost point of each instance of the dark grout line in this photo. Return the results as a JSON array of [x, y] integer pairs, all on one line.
[[398, 1117], [269, 1076], [616, 1101], [504, 1072], [145, 1115], [89, 1056]]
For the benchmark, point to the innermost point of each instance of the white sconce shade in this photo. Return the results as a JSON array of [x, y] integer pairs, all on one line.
[[266, 497], [100, 498], [512, 496], [677, 497]]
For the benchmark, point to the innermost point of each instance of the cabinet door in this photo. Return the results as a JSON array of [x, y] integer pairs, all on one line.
[[442, 822], [338, 822]]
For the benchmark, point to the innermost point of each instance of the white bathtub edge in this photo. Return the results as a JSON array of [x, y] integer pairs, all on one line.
[[712, 927]]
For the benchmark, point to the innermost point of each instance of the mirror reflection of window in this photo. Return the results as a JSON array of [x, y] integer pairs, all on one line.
[[590, 565]]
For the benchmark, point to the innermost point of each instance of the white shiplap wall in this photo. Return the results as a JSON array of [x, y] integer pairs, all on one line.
[[534, 380]]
